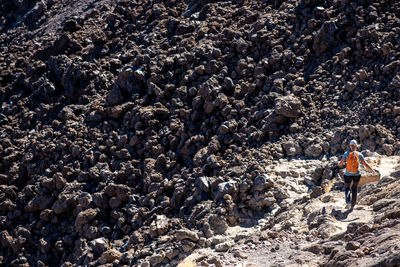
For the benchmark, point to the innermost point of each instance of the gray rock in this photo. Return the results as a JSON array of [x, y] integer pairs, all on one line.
[[5, 239], [177, 197], [327, 174], [186, 234], [85, 199], [317, 191], [119, 191], [324, 38], [262, 182], [288, 106], [218, 224], [86, 216], [187, 245], [100, 199], [99, 245], [317, 174], [67, 199], [39, 202], [389, 149], [114, 202], [380, 204], [36, 12], [71, 25], [389, 68], [59, 180], [156, 259], [261, 202], [203, 183], [364, 131], [109, 256], [159, 226], [114, 97], [224, 188], [314, 151], [353, 245], [225, 246], [292, 148], [223, 129]]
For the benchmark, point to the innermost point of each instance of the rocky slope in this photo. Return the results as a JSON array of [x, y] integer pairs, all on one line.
[[317, 229], [136, 131]]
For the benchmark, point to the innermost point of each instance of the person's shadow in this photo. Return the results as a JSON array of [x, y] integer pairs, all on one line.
[[342, 216]]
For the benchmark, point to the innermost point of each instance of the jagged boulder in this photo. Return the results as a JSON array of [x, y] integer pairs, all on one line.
[[288, 106]]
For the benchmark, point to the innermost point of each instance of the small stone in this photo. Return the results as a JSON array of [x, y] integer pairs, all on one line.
[[159, 226], [203, 183], [47, 215], [223, 129], [186, 234], [85, 216], [70, 25], [223, 246], [99, 245], [187, 245], [45, 245], [292, 148], [224, 188], [353, 245], [60, 181], [5, 239], [262, 182], [39, 202], [240, 254], [85, 199], [156, 259], [109, 256], [114, 203], [317, 191], [100, 199]]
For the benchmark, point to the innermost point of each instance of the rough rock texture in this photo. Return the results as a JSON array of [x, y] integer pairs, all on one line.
[[318, 230], [130, 120]]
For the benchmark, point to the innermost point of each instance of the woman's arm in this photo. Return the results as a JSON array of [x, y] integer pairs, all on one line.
[[367, 166], [341, 162]]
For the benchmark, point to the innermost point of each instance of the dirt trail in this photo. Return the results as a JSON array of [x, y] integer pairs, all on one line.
[[323, 218]]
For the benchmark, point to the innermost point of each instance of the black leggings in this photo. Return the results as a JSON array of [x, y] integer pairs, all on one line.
[[347, 180]]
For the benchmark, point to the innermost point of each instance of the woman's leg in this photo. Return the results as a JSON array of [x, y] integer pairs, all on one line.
[[347, 181], [354, 193], [347, 192], [354, 188]]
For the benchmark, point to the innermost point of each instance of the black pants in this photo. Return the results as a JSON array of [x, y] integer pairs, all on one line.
[[347, 180]]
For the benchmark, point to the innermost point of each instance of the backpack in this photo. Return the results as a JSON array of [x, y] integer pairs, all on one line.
[[352, 162]]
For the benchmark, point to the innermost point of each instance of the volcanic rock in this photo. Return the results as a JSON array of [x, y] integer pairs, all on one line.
[[288, 106]]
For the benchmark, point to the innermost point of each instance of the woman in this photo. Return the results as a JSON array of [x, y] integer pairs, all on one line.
[[352, 174]]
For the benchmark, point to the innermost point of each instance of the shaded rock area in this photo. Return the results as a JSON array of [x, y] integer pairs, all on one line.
[[134, 132]]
